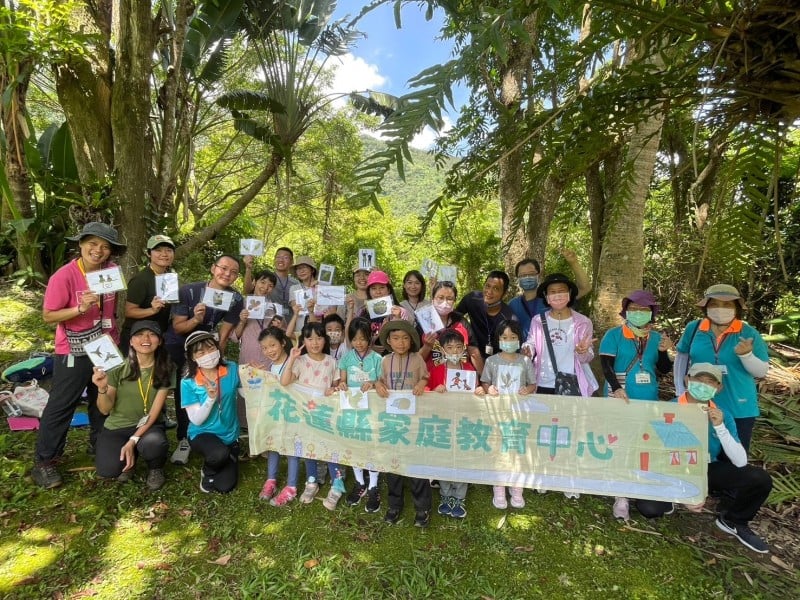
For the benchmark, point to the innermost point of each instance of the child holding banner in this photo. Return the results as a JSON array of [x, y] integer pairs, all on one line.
[[507, 372], [404, 369]]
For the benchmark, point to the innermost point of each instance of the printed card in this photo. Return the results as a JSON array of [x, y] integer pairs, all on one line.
[[401, 402], [429, 268], [366, 258], [104, 353], [331, 295], [353, 399], [508, 378], [379, 307], [250, 247], [256, 306], [167, 287], [326, 274], [302, 298], [106, 281], [217, 299], [459, 380], [447, 273], [429, 319]]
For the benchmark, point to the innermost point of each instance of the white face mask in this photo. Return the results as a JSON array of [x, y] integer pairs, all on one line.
[[208, 361], [558, 301], [443, 307], [721, 316]]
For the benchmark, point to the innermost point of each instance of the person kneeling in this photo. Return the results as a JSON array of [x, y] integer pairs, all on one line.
[[748, 486]]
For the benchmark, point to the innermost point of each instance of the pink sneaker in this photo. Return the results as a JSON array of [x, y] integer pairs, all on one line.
[[517, 501], [285, 496], [269, 489], [499, 498]]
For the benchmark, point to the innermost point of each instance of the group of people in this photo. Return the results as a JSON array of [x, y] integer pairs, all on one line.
[[538, 335]]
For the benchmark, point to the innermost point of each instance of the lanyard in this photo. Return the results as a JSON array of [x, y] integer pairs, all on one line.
[[283, 365], [145, 394], [395, 380]]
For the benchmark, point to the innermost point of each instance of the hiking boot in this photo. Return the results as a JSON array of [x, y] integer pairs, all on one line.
[[269, 489], [356, 494], [46, 476], [458, 511], [446, 506], [205, 482], [422, 518], [332, 499], [499, 497], [744, 534], [311, 489], [181, 454], [125, 476], [392, 516], [286, 495], [517, 501], [373, 500], [621, 509], [155, 479]]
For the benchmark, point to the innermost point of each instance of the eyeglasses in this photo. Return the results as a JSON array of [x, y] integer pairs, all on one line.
[[233, 271]]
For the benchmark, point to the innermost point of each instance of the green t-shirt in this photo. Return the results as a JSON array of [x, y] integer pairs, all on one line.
[[129, 406]]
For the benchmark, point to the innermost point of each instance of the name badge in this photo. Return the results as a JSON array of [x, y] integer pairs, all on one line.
[[724, 369], [642, 377], [488, 349]]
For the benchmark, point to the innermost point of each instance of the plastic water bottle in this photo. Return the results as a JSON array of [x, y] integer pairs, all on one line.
[[10, 407]]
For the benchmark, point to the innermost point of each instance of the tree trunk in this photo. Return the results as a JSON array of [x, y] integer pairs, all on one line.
[[540, 215]]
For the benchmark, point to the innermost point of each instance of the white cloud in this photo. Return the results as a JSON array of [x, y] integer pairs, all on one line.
[[353, 73], [425, 139]]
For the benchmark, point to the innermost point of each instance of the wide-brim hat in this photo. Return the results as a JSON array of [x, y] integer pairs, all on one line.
[[721, 291], [198, 336], [400, 325], [160, 240], [358, 268], [103, 231], [146, 324], [541, 291], [304, 260], [705, 369], [642, 298]]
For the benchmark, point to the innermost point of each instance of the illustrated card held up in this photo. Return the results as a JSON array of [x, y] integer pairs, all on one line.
[[103, 353], [401, 402], [459, 380], [366, 258], [447, 273], [379, 307], [429, 319], [326, 272], [106, 281], [331, 295], [429, 268], [167, 287], [217, 299], [256, 306], [251, 247]]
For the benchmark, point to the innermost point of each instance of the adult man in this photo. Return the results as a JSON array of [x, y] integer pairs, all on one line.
[[528, 273], [486, 310], [745, 487], [191, 314], [284, 259]]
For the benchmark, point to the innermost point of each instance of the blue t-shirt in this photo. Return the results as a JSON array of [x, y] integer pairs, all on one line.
[[625, 351], [223, 420], [739, 395], [525, 310], [714, 445], [358, 371]]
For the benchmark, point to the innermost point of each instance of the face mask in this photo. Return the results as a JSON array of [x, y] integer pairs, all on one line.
[[509, 346], [529, 282], [721, 316], [702, 392], [638, 318], [443, 307], [453, 358], [335, 336], [558, 301], [208, 361]]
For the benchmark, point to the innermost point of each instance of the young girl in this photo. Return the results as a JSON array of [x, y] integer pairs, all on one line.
[[311, 365], [404, 369], [334, 328], [209, 396], [379, 286], [132, 397], [507, 372], [359, 369], [414, 291]]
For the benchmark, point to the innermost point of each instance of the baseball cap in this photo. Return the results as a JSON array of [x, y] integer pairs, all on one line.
[[146, 324], [377, 277], [707, 369], [159, 240]]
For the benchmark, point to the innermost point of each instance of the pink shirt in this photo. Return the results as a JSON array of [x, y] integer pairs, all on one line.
[[64, 291], [317, 374]]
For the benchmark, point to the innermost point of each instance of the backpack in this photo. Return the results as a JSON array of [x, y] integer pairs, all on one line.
[[36, 367]]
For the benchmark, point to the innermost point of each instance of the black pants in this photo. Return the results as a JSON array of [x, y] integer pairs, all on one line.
[[152, 448], [65, 395], [751, 486], [744, 429], [220, 462], [178, 357], [420, 492]]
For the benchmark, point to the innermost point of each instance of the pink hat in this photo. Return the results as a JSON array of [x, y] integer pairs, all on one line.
[[377, 277]]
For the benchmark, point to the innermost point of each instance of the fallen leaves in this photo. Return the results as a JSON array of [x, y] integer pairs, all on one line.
[[311, 563], [221, 561]]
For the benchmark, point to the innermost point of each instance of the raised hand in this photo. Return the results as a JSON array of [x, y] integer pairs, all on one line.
[[745, 346]]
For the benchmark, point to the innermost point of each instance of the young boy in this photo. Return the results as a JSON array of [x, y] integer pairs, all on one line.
[[404, 369], [449, 353], [750, 485]]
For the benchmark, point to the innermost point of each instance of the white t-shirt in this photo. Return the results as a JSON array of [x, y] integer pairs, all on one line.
[[562, 335]]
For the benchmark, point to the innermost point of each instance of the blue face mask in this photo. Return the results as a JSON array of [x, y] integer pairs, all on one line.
[[638, 318], [702, 392], [509, 346], [529, 282]]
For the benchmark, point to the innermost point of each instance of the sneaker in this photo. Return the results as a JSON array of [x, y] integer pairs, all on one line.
[[373, 500], [392, 516], [621, 509], [286, 495], [269, 489], [572, 495], [181, 454], [458, 511], [205, 482], [422, 519], [744, 534], [155, 479], [356, 494], [670, 511], [499, 498], [446, 506], [46, 476], [307, 497], [332, 499], [125, 476], [517, 501], [434, 483]]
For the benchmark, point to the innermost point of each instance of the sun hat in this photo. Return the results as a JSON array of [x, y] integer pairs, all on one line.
[[160, 240], [358, 268], [706, 369], [145, 324], [642, 298], [307, 261], [377, 277], [103, 231], [400, 325], [541, 292], [198, 336], [721, 291]]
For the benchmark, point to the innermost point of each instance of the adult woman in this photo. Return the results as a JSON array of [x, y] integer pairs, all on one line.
[[305, 269], [354, 303], [80, 315], [208, 393], [132, 396], [444, 296], [413, 291], [723, 339]]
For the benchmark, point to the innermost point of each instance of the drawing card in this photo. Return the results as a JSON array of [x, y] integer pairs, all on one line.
[[401, 402], [429, 319], [429, 268], [326, 274], [103, 353], [366, 258], [459, 380], [331, 295], [256, 306], [447, 273], [346, 399], [508, 377], [106, 281], [167, 287], [250, 247], [217, 299], [278, 309], [379, 307], [302, 297]]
